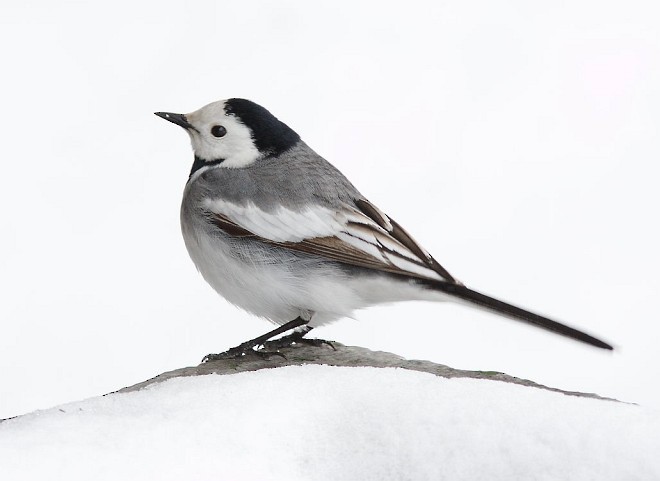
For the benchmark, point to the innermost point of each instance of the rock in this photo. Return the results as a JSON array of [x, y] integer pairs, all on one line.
[[341, 355]]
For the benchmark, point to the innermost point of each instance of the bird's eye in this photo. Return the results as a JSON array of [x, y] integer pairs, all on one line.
[[218, 131]]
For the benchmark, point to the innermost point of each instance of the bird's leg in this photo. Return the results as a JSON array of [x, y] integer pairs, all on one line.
[[297, 337], [248, 346]]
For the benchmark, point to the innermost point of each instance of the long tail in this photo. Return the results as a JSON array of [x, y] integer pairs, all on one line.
[[508, 310]]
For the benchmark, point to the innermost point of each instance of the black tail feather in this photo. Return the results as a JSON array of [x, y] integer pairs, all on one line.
[[500, 307]]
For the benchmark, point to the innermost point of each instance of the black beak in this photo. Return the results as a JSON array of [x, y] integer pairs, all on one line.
[[178, 119]]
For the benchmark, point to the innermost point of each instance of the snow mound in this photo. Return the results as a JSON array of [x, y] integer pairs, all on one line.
[[335, 423]]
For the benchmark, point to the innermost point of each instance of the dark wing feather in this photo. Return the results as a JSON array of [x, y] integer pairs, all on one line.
[[391, 241], [330, 248], [400, 234]]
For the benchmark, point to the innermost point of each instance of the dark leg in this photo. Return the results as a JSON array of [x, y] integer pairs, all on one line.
[[297, 337], [285, 341], [248, 346]]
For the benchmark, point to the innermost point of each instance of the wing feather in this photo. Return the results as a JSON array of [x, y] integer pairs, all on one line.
[[359, 235]]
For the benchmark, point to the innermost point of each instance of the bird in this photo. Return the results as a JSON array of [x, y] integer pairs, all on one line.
[[280, 232]]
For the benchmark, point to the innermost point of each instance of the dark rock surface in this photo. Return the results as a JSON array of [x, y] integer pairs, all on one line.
[[347, 356]]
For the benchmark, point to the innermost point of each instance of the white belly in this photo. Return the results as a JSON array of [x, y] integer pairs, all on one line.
[[281, 286]]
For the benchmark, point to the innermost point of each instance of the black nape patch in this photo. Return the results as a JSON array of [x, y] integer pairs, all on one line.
[[199, 163], [270, 136]]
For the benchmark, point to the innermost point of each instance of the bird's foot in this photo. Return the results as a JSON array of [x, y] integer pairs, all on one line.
[[243, 350], [296, 338], [251, 348]]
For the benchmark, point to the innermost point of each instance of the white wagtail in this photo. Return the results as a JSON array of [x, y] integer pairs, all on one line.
[[277, 230]]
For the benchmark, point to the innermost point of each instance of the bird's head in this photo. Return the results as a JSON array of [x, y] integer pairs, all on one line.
[[233, 133]]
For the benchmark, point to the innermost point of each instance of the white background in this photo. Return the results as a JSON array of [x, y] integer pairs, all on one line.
[[517, 141]]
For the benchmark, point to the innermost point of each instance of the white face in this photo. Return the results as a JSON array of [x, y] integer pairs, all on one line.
[[235, 146]]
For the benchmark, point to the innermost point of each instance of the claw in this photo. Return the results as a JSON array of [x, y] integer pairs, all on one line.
[[241, 351], [328, 343]]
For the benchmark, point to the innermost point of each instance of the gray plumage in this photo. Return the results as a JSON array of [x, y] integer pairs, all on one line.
[[280, 232], [313, 180]]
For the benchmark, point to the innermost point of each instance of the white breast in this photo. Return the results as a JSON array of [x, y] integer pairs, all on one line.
[[265, 283]]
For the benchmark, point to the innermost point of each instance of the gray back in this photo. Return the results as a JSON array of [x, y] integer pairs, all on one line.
[[294, 179]]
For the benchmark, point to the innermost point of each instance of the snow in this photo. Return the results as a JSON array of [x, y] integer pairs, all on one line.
[[320, 422]]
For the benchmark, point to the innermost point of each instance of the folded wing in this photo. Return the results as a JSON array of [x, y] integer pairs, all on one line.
[[359, 235]]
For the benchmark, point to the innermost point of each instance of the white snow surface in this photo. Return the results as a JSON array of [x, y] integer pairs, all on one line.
[[319, 422]]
